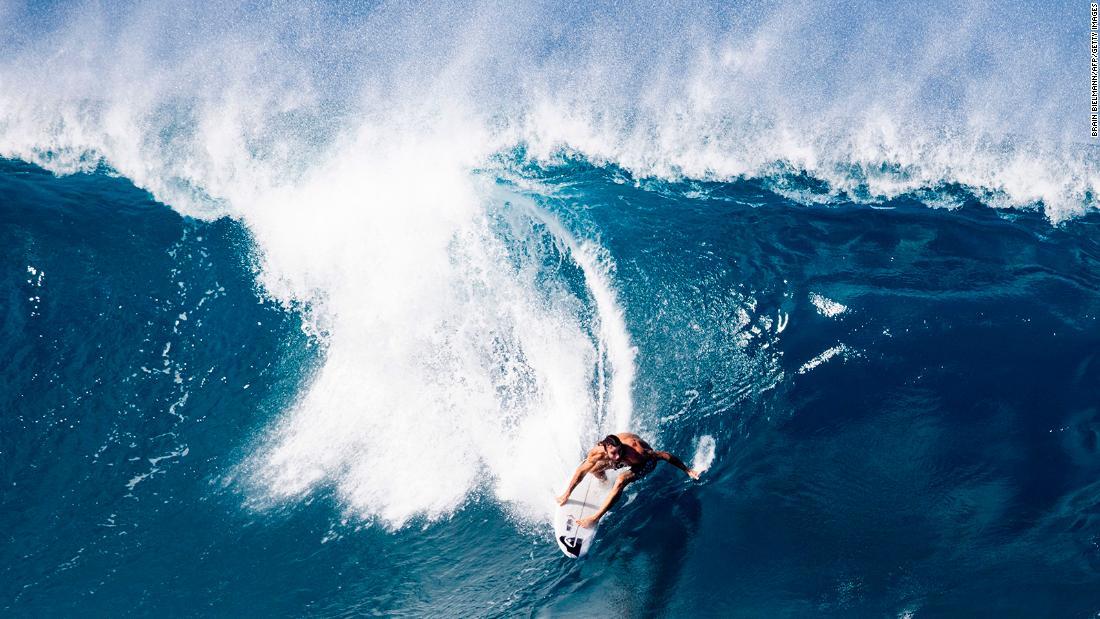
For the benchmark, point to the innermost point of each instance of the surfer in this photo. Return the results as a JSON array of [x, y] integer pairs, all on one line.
[[616, 451]]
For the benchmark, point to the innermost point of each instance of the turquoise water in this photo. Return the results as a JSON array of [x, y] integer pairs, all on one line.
[[312, 310]]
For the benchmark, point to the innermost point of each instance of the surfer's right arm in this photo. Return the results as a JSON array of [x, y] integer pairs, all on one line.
[[586, 466]]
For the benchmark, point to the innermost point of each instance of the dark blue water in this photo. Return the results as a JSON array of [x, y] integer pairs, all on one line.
[[922, 439]]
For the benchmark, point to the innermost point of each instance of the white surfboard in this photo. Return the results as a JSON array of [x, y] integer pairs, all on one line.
[[587, 498]]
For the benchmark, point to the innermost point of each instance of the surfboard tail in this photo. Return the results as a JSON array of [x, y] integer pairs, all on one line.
[[572, 545]]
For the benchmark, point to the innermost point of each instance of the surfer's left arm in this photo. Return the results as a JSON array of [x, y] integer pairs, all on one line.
[[676, 462]]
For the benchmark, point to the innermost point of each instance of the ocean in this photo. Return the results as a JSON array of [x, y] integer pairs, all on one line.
[[312, 309]]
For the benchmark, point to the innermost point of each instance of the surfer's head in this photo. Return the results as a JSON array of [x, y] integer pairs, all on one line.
[[612, 446]]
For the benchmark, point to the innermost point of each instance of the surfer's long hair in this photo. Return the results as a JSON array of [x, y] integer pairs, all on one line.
[[611, 439]]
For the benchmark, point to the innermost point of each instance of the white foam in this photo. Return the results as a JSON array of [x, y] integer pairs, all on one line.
[[596, 264], [210, 113], [447, 366], [704, 453], [826, 306], [827, 354]]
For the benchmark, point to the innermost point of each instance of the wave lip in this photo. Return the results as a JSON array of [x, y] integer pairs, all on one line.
[[212, 113]]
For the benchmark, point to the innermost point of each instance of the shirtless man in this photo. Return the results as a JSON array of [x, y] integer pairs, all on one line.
[[614, 452]]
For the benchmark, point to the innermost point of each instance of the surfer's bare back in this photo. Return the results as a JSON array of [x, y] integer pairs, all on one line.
[[614, 452]]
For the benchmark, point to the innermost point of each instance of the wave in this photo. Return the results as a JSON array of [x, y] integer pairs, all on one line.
[[359, 146]]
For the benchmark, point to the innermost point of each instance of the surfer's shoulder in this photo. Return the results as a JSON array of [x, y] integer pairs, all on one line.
[[595, 454], [635, 441]]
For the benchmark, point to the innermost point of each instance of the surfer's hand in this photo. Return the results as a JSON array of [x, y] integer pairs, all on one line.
[[562, 499], [588, 522], [692, 473]]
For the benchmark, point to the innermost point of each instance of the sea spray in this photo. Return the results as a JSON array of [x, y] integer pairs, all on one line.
[[704, 453], [210, 107], [443, 328]]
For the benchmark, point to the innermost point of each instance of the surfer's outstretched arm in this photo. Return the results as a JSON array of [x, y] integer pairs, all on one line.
[[585, 467], [620, 482], [676, 462]]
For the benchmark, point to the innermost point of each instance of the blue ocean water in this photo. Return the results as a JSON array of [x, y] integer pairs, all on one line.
[[944, 460], [312, 309]]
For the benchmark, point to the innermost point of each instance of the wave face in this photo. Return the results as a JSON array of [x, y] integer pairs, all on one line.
[[322, 303]]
